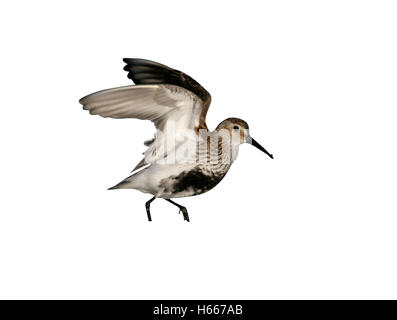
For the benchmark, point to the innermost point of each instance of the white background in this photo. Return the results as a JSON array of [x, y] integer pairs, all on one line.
[[316, 81]]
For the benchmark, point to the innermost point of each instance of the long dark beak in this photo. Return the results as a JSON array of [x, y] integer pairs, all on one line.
[[257, 145]]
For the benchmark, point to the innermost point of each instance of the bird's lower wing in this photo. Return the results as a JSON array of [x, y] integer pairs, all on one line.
[[175, 111]]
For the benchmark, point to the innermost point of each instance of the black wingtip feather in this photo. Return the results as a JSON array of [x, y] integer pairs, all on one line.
[[143, 71]]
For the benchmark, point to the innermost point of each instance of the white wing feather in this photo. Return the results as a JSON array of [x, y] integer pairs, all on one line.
[[174, 110]]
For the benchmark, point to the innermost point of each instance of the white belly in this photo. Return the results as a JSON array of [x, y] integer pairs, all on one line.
[[154, 178]]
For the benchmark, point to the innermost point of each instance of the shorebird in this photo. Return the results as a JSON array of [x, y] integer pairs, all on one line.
[[184, 158]]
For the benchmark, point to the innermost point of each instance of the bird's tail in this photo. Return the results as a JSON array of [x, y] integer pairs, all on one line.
[[125, 184]]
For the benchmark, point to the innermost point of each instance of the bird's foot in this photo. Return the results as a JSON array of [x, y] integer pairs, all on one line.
[[185, 214], [181, 209], [148, 213], [147, 205]]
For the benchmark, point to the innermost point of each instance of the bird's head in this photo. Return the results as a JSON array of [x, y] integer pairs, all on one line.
[[238, 130]]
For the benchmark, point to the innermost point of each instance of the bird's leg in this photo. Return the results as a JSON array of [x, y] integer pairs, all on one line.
[[181, 208], [147, 204]]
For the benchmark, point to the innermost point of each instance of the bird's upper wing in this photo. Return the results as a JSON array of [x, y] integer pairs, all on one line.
[[175, 102], [143, 71]]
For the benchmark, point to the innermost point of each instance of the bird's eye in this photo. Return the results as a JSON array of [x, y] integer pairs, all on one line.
[[235, 128]]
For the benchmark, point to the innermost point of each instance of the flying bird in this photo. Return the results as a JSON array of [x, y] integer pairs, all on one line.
[[184, 158]]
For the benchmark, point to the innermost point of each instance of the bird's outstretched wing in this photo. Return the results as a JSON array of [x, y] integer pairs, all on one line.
[[171, 99]]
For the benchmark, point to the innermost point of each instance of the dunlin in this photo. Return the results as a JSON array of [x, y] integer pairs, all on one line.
[[184, 158]]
